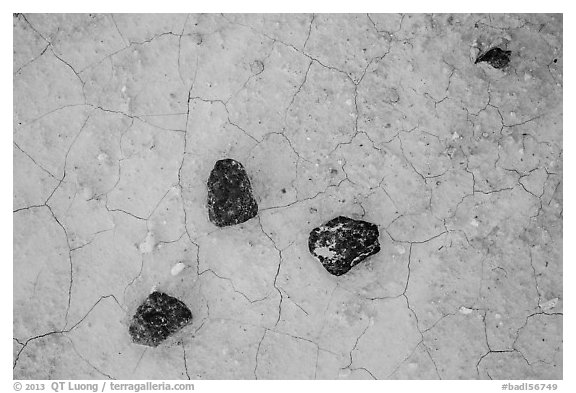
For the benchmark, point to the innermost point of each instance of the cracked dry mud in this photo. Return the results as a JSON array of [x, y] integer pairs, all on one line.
[[118, 120]]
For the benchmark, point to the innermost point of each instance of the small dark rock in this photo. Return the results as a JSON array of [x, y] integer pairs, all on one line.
[[157, 318], [496, 57], [230, 199], [342, 243]]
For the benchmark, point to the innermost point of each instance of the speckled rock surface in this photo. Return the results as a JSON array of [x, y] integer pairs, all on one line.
[[158, 317], [342, 243], [230, 199], [496, 57], [385, 118]]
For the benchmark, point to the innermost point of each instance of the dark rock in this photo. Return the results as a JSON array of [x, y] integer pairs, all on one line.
[[157, 318], [230, 199], [496, 57], [342, 243]]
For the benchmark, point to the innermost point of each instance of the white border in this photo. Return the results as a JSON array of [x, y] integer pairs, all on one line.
[[293, 6]]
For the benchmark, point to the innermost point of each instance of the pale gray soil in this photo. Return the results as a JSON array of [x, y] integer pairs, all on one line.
[[118, 120]]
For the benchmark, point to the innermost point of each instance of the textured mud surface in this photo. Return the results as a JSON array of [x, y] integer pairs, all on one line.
[[230, 199], [119, 120], [342, 243], [158, 317]]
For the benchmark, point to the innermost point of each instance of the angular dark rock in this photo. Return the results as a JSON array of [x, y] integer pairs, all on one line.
[[158, 317], [342, 243], [496, 57], [230, 199]]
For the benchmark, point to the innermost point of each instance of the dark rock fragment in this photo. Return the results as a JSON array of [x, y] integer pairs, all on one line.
[[496, 57], [157, 318], [343, 242], [230, 199]]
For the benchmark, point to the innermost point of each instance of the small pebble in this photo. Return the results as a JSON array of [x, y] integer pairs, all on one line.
[[177, 268], [465, 310]]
